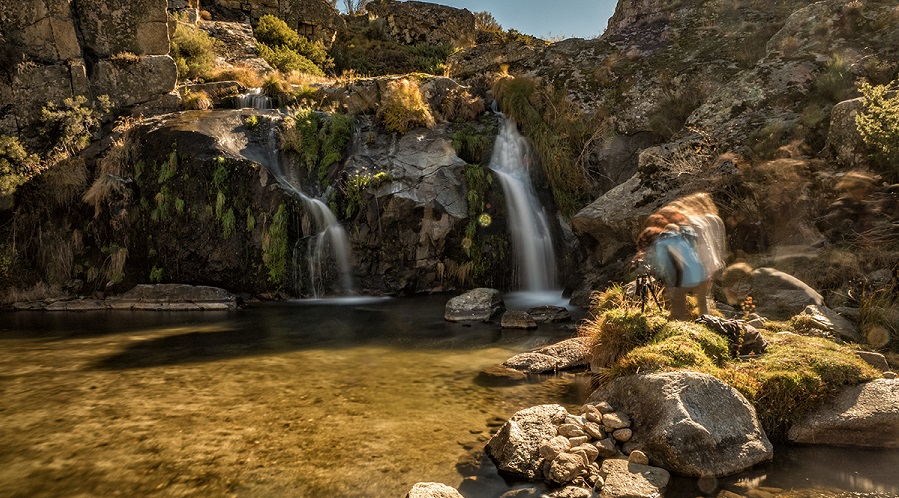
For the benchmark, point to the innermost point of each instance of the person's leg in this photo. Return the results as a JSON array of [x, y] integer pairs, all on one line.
[[702, 296], [678, 298]]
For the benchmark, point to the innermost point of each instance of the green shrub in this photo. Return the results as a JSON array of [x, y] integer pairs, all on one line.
[[69, 127], [878, 123], [17, 166], [484, 21], [286, 60], [193, 52], [402, 107], [284, 49]]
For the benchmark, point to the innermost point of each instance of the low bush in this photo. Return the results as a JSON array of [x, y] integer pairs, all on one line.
[[193, 52], [285, 50], [17, 165], [403, 108], [878, 124]]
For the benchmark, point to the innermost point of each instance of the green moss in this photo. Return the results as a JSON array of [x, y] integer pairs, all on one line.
[[169, 168], [354, 189], [794, 376], [251, 221], [156, 274], [274, 247], [228, 223], [299, 133], [336, 134], [471, 145]]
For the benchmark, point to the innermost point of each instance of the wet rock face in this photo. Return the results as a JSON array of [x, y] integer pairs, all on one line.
[[59, 49]]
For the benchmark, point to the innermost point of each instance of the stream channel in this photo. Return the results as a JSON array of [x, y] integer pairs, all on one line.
[[354, 397]]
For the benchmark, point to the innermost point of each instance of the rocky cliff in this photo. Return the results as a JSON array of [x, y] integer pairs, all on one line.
[[58, 49]]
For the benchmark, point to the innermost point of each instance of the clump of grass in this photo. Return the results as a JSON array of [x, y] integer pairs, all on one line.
[[196, 100], [836, 82], [243, 75], [403, 108], [617, 331], [461, 106]]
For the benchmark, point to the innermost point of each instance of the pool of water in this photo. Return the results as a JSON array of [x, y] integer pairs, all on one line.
[[357, 397]]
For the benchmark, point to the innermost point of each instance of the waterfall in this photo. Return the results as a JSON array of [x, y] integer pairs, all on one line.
[[254, 99], [528, 225], [329, 239]]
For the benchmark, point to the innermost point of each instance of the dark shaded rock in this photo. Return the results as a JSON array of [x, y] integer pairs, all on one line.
[[517, 320], [866, 415], [475, 305], [174, 297], [690, 423], [420, 22], [499, 375], [546, 314]]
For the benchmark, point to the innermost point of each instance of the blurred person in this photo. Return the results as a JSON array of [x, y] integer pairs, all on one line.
[[682, 244]]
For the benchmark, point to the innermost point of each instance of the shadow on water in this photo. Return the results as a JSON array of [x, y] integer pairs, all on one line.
[[171, 338]]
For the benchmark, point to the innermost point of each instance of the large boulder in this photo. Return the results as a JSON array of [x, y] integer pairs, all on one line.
[[475, 305], [625, 479], [866, 415], [515, 448], [128, 83], [690, 423], [775, 294]]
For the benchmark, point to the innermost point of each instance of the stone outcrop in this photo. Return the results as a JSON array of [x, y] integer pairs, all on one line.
[[414, 22], [689, 423], [317, 20], [59, 49], [475, 305], [832, 323], [236, 45], [866, 415]]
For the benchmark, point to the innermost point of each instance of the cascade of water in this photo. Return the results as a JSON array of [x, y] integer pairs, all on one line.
[[531, 237], [254, 99], [330, 238]]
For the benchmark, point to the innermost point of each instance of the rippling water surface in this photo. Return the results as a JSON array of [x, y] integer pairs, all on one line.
[[357, 397]]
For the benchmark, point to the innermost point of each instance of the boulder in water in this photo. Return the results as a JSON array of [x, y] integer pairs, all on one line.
[[515, 448], [689, 423], [517, 320], [432, 490], [866, 415], [480, 304], [634, 480], [548, 314]]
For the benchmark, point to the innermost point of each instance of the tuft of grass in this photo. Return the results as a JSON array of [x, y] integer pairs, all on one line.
[[243, 75], [403, 108], [198, 100], [460, 106], [617, 331]]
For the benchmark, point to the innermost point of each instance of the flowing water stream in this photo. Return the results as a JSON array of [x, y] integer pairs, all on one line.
[[346, 397], [528, 224]]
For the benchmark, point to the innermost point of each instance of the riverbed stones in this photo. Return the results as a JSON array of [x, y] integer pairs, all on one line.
[[626, 479], [517, 320], [622, 435], [432, 490], [515, 447], [615, 420], [690, 423], [479, 304], [866, 415], [552, 448]]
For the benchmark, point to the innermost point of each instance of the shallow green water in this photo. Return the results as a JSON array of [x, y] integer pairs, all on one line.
[[350, 398]]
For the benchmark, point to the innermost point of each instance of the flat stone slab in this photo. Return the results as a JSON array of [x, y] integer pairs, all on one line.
[[161, 297], [517, 320], [866, 415], [632, 480], [547, 314]]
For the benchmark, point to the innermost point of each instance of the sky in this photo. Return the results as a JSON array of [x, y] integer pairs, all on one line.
[[545, 19]]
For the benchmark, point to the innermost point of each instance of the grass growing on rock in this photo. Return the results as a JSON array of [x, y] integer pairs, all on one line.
[[793, 377]]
